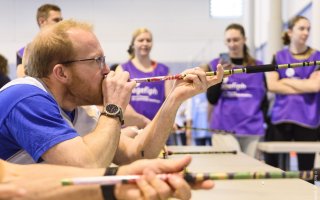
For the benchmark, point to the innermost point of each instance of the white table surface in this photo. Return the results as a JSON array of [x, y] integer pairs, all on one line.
[[263, 189], [287, 147]]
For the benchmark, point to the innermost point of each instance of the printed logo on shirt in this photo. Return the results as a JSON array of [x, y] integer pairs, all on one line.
[[146, 94], [235, 90], [146, 90]]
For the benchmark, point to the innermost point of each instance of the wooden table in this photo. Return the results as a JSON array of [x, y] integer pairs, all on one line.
[[263, 189]]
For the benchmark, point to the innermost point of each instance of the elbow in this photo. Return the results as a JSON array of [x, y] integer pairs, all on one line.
[[315, 89], [271, 88]]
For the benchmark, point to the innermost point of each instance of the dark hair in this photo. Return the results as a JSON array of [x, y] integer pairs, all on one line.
[[3, 65], [248, 60], [114, 66], [43, 11], [291, 24]]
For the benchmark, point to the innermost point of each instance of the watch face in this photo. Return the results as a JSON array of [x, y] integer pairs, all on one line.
[[111, 108]]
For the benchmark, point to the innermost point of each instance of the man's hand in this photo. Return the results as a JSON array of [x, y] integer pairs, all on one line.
[[151, 187], [195, 82], [116, 89]]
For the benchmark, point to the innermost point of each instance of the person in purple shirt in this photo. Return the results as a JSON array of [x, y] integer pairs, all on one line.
[[296, 111], [147, 97], [238, 100]]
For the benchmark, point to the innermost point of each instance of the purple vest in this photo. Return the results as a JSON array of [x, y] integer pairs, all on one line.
[[238, 109], [147, 97], [301, 109]]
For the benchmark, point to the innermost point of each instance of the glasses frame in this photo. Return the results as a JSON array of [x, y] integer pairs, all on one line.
[[101, 61]]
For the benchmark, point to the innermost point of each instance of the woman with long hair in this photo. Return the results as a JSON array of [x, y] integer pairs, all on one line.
[[238, 100]]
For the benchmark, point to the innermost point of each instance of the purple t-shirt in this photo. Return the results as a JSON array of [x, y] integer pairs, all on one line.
[[301, 109], [238, 109], [147, 97]]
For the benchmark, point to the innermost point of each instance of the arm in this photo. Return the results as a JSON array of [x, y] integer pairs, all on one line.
[[276, 85], [42, 181], [97, 148], [310, 85], [154, 136], [132, 118], [168, 85]]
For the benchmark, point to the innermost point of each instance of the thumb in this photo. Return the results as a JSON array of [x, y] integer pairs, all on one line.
[[172, 166]]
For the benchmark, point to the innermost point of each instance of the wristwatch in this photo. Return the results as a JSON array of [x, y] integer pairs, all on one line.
[[112, 110]]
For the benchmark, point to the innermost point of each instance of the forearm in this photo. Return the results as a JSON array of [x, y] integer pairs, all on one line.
[[43, 181], [303, 85], [276, 85], [16, 172], [132, 118], [150, 141], [51, 188], [104, 140]]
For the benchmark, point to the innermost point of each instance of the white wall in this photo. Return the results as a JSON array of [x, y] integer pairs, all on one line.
[[290, 8], [184, 34], [183, 31]]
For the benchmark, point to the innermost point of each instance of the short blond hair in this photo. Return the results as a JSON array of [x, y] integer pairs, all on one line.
[[51, 46]]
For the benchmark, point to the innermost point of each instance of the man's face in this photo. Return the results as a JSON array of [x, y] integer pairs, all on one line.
[[85, 84], [53, 18]]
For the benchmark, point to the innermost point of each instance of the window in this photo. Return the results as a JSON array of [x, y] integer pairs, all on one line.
[[226, 8]]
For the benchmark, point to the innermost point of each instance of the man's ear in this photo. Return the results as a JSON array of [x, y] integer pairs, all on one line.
[[60, 72], [41, 21]]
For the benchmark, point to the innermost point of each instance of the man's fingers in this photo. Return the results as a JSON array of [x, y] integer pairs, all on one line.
[[162, 188], [206, 185], [182, 188]]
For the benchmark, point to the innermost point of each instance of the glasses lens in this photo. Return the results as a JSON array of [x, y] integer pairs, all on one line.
[[102, 61]]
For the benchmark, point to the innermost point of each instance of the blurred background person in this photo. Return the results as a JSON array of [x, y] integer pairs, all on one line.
[[147, 97], [197, 131], [238, 100], [295, 114], [47, 14], [3, 71]]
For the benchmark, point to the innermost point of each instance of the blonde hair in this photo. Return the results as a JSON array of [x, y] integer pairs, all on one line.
[[135, 34], [51, 46]]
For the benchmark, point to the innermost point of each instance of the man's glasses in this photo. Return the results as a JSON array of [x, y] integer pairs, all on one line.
[[101, 60]]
